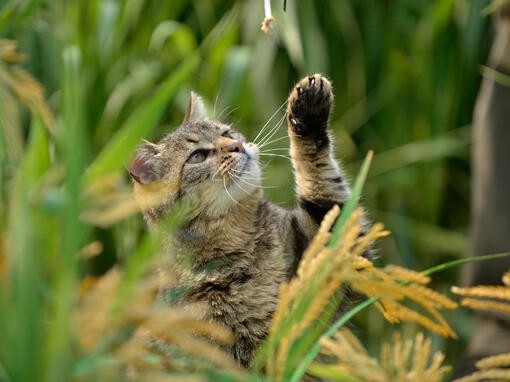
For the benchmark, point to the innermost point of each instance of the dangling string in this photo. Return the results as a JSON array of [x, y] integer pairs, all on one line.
[[268, 19]]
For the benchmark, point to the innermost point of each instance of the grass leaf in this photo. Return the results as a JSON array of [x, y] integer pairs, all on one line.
[[141, 122], [353, 200]]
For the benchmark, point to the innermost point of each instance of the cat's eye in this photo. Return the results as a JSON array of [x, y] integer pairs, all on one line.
[[227, 134], [198, 156]]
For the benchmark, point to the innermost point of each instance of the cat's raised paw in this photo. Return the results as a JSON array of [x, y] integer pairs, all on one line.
[[309, 105]]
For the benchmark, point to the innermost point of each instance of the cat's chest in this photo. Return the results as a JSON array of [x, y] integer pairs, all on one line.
[[241, 296]]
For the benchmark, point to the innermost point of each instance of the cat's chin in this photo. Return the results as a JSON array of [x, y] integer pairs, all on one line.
[[242, 191], [252, 150]]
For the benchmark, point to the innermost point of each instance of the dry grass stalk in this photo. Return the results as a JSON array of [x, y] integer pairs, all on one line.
[[9, 52], [487, 375], [488, 291], [494, 306], [106, 204], [506, 279], [403, 274], [93, 317], [492, 298], [387, 283], [22, 84], [153, 330], [500, 360], [324, 270], [487, 297], [173, 326], [91, 250], [400, 360], [313, 257], [351, 357]]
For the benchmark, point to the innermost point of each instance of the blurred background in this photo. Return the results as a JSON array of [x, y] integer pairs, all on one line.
[[405, 73]]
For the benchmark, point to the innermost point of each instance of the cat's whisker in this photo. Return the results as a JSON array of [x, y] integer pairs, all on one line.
[[240, 185], [215, 104], [269, 140], [214, 175], [276, 149], [226, 112], [262, 130], [228, 193], [253, 179], [273, 141], [263, 166], [273, 131], [270, 132], [237, 171], [275, 155], [244, 181]]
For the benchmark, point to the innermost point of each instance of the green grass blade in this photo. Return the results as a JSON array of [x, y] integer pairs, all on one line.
[[493, 7], [301, 305], [115, 155], [353, 200], [21, 308], [454, 263], [140, 261], [72, 138], [419, 152], [146, 117], [331, 374], [314, 351], [495, 75], [311, 335]]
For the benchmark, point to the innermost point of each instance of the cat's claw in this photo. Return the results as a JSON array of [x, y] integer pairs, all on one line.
[[309, 105]]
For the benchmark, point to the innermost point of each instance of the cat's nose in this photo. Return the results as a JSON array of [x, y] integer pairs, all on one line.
[[236, 147]]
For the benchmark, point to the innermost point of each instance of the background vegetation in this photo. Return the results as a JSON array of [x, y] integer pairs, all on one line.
[[114, 71]]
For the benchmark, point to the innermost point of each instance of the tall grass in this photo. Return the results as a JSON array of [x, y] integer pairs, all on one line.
[[405, 78]]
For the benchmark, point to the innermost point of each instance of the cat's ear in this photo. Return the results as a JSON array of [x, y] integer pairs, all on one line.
[[143, 167], [196, 109]]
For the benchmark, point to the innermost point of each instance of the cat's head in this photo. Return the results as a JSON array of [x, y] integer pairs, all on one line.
[[206, 161]]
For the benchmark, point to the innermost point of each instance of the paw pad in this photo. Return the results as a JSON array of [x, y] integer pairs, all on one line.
[[309, 104]]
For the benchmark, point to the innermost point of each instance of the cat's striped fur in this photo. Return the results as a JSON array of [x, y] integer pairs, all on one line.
[[240, 247]]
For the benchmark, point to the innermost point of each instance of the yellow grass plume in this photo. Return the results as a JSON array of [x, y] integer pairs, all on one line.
[[108, 200], [144, 338], [490, 369], [487, 297], [496, 299], [401, 361], [22, 84], [325, 269]]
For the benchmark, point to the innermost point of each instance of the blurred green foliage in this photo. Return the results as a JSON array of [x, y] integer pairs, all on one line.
[[115, 71]]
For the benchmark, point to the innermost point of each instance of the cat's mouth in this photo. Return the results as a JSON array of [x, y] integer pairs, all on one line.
[[240, 172], [235, 167], [238, 163]]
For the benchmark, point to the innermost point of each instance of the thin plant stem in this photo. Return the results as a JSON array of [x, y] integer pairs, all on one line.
[[314, 351]]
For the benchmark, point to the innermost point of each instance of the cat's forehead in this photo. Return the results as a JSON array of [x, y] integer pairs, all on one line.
[[194, 132], [205, 128]]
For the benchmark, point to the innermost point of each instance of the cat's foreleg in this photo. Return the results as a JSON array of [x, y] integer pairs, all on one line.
[[320, 183]]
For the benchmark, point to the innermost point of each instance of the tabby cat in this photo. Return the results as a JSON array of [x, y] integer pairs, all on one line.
[[239, 246]]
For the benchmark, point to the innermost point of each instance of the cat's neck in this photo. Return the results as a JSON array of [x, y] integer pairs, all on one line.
[[211, 237]]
